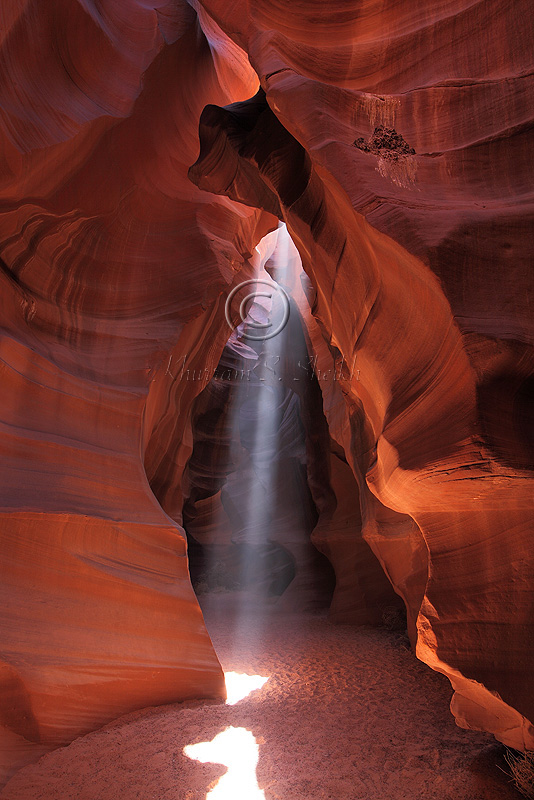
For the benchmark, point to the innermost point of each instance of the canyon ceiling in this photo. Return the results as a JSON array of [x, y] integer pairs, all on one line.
[[146, 152]]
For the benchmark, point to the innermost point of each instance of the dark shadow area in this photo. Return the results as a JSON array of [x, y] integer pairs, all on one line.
[[259, 434]]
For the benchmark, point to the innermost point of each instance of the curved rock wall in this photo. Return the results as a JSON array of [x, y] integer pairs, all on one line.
[[109, 276], [414, 421], [394, 139]]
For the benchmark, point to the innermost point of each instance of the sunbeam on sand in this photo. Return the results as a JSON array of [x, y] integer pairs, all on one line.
[[239, 686], [238, 750]]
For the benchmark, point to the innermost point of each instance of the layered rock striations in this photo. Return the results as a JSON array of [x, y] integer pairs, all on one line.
[[113, 264], [395, 142], [431, 299]]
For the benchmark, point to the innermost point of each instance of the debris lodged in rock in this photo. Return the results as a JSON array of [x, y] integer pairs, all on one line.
[[385, 142]]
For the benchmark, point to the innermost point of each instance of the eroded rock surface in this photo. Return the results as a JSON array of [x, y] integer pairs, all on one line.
[[414, 412], [109, 277], [114, 269]]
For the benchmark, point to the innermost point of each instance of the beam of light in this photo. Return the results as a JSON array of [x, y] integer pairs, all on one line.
[[258, 405], [239, 686], [237, 749], [263, 405]]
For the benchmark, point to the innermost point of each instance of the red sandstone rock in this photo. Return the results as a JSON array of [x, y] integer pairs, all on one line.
[[416, 442], [109, 276], [113, 268]]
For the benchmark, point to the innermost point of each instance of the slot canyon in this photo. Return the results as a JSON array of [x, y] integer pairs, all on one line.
[[267, 401]]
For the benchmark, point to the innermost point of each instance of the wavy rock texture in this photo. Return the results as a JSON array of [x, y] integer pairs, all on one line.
[[362, 594], [113, 264], [265, 472], [113, 271], [441, 332]]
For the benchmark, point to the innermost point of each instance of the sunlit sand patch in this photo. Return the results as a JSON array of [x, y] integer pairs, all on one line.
[[238, 750], [239, 686]]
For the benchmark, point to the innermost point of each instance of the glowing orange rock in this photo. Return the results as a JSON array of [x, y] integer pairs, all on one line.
[[414, 438]]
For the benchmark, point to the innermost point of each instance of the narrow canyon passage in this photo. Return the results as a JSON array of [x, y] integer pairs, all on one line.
[[332, 721], [341, 513], [340, 711], [255, 484]]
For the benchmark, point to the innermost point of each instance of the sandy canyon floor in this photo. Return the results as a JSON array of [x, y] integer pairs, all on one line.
[[346, 714]]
